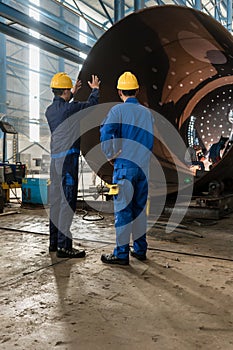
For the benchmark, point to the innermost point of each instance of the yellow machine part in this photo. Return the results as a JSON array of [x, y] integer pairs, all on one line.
[[6, 190], [113, 189]]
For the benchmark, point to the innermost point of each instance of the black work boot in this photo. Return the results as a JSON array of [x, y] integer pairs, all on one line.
[[136, 255], [114, 260], [70, 253]]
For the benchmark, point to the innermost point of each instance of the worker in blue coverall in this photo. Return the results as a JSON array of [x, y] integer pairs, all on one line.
[[62, 120], [127, 139], [215, 151]]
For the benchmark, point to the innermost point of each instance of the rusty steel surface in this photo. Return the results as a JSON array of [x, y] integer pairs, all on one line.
[[184, 63]]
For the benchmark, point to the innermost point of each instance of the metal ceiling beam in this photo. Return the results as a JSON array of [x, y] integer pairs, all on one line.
[[105, 11], [91, 20], [83, 16], [17, 34], [42, 28]]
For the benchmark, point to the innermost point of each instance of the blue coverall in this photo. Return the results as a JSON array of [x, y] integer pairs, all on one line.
[[214, 152], [128, 132], [64, 166]]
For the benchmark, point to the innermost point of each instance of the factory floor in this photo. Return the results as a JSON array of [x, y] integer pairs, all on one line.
[[180, 298]]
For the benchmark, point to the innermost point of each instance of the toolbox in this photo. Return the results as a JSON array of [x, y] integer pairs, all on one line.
[[35, 191]]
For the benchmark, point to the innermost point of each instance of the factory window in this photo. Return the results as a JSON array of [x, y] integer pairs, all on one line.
[[83, 38]]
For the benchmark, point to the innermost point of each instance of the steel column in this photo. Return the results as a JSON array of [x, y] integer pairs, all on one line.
[[3, 75], [229, 15], [198, 5], [119, 10], [61, 63], [217, 10], [138, 4], [3, 87]]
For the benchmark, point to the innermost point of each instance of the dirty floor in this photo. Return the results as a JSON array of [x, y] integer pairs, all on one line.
[[180, 298]]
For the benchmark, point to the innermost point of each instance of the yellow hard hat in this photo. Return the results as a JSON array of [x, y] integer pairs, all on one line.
[[61, 81], [127, 81]]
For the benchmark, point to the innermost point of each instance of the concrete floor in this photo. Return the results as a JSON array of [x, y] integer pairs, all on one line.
[[180, 298]]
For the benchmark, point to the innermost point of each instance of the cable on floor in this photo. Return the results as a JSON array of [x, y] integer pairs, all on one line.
[[86, 216]]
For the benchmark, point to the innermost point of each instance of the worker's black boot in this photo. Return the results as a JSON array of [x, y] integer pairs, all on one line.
[[114, 260], [70, 253], [136, 255]]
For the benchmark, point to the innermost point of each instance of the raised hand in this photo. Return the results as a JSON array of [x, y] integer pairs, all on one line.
[[95, 83]]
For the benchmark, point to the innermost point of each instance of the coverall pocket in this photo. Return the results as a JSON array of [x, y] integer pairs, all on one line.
[[125, 195]]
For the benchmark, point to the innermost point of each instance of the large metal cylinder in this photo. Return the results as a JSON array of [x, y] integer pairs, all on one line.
[[183, 59]]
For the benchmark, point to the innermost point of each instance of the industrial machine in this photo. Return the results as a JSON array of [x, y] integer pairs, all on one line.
[[35, 191], [11, 174], [185, 76]]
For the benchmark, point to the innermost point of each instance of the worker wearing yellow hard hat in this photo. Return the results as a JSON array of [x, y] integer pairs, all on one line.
[[61, 80], [127, 81], [127, 139], [64, 159]]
